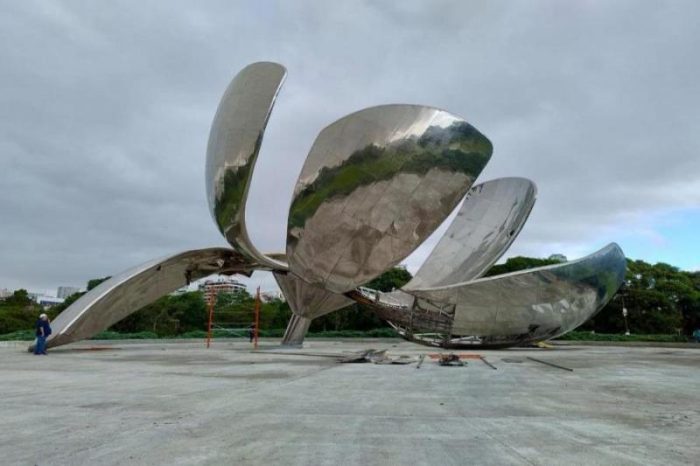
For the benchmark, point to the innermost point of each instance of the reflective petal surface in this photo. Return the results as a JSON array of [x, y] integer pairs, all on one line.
[[126, 293], [375, 185], [308, 300], [490, 218], [234, 143], [531, 305]]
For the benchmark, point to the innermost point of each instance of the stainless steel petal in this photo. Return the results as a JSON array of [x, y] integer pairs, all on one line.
[[530, 305], [490, 218], [234, 144], [123, 294], [375, 185]]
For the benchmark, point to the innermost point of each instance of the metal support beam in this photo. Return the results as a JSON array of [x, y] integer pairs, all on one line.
[[296, 331]]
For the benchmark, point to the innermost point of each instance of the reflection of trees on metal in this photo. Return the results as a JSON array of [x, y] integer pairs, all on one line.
[[374, 186]]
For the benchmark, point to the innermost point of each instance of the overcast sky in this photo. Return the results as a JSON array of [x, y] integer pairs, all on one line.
[[105, 110]]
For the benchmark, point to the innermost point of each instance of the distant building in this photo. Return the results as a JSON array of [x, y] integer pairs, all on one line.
[[5, 293], [558, 258], [210, 288], [48, 301], [65, 291], [267, 296]]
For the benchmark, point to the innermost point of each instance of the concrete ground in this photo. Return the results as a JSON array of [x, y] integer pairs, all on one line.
[[179, 403]]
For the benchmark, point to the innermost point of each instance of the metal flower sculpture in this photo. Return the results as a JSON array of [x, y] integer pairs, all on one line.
[[374, 186]]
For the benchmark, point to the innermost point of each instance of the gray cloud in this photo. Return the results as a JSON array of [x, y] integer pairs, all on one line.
[[105, 112]]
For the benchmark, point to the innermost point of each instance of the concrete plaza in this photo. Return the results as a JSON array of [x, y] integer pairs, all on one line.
[[180, 403]]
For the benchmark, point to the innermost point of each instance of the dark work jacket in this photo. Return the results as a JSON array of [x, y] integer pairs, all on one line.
[[42, 324]]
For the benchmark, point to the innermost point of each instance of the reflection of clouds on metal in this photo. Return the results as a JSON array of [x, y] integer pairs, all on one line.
[[492, 215], [234, 144], [374, 186], [510, 309]]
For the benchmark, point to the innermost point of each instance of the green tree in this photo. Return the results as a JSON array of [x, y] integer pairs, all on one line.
[[96, 281], [392, 279], [19, 298], [279, 313], [168, 316], [515, 264], [18, 312], [659, 299]]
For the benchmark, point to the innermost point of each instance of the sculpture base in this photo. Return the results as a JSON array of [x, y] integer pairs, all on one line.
[[296, 331]]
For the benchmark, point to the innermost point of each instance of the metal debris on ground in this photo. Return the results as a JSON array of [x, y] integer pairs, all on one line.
[[383, 358], [550, 364], [512, 360], [297, 353], [483, 359], [450, 359], [400, 360], [376, 357], [460, 355], [362, 356]]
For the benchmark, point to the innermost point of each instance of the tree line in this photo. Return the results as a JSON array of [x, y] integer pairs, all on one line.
[[658, 298]]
